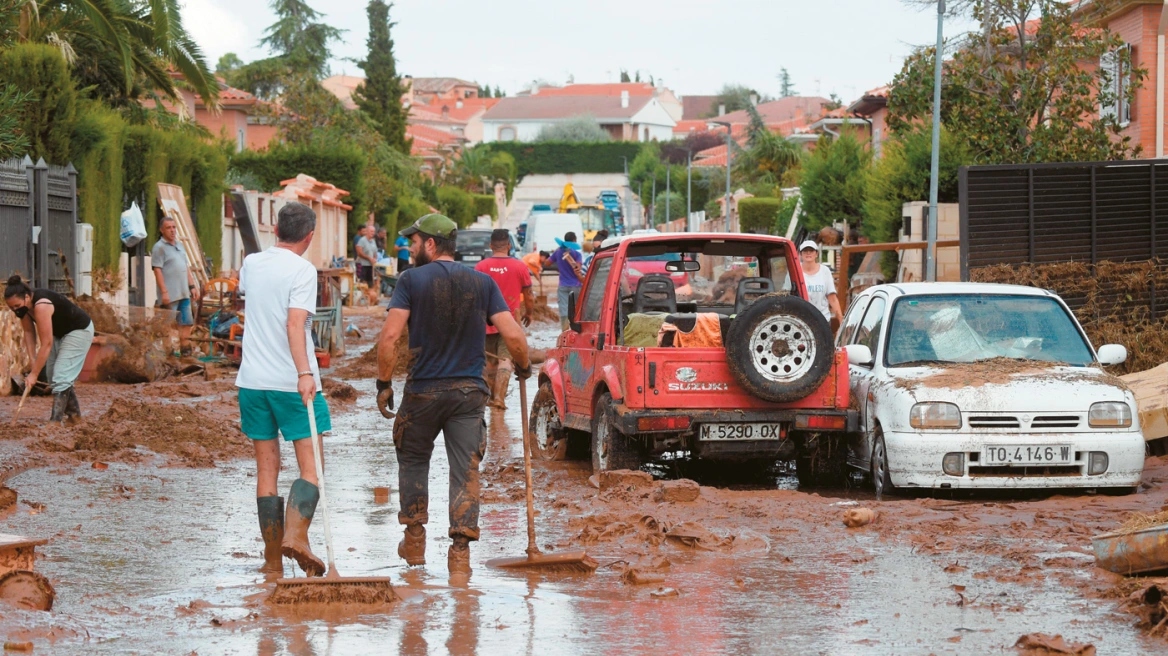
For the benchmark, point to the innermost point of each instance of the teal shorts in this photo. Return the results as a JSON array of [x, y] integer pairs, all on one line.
[[263, 413]]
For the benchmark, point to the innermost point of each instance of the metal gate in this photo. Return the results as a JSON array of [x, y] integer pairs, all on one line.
[[38, 221]]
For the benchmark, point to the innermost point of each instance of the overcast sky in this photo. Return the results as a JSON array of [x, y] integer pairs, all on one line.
[[840, 46]]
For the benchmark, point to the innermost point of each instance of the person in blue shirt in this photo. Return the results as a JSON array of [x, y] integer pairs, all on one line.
[[402, 246], [568, 261], [597, 240]]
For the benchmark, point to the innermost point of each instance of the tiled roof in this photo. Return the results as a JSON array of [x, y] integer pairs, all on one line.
[[428, 140], [432, 112], [872, 101], [783, 109], [438, 84], [685, 127], [342, 86], [560, 107], [612, 89], [694, 107]]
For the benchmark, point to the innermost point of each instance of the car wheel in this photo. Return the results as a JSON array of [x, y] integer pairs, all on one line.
[[611, 449], [880, 476], [820, 461], [548, 439], [780, 348], [1119, 491]]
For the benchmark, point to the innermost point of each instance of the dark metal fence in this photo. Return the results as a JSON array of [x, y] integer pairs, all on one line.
[[38, 223]]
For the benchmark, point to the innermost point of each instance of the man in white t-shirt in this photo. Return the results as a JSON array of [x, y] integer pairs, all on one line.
[[278, 379], [820, 283]]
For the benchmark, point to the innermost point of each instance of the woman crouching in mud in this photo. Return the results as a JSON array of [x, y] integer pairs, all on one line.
[[64, 332]]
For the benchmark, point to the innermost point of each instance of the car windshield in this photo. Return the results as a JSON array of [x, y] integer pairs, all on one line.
[[972, 327], [472, 241], [721, 266]]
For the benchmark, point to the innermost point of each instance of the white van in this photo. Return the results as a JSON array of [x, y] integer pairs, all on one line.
[[544, 228]]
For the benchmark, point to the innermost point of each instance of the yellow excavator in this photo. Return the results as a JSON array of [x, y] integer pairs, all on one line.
[[594, 217]]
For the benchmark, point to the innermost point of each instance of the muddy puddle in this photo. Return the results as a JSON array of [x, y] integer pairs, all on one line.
[[149, 557]]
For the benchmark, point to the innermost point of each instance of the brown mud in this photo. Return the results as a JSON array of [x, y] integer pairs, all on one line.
[[365, 365], [340, 391]]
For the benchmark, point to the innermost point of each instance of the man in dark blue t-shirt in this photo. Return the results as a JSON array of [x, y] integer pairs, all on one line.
[[446, 306]]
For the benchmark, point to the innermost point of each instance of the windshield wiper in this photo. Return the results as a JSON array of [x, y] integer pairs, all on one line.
[[917, 363]]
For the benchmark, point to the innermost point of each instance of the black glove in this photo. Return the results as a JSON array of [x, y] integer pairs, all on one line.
[[385, 399], [523, 373]]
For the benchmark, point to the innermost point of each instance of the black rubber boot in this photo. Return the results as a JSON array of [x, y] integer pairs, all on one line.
[[60, 401], [73, 406], [297, 517], [271, 513]]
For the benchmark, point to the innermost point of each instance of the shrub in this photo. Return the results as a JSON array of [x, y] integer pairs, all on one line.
[[484, 204], [47, 118], [758, 214], [342, 164], [554, 157], [98, 147], [457, 205], [577, 129], [833, 181]]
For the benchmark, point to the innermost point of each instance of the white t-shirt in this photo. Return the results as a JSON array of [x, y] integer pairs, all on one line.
[[273, 282], [819, 286]]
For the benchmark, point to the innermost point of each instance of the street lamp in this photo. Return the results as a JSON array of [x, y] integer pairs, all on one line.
[[725, 124], [935, 164]]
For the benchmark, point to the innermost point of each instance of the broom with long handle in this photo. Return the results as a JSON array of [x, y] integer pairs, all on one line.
[[568, 561], [332, 587]]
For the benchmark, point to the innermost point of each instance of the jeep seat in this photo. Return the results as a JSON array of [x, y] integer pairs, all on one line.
[[655, 292], [749, 290]]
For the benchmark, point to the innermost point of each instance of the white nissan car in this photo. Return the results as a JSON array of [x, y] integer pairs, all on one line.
[[972, 385]]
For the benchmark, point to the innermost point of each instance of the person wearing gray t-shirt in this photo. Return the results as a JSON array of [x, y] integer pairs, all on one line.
[[176, 285]]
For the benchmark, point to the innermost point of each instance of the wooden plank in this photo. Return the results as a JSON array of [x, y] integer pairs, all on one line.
[[1151, 390], [173, 203]]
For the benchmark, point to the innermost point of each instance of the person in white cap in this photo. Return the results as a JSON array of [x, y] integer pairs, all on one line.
[[820, 283]]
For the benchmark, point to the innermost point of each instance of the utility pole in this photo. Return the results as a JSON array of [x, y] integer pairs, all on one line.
[[688, 188], [935, 165], [668, 174], [653, 205], [628, 199]]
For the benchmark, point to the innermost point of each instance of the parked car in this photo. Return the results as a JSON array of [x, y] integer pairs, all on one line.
[[769, 386], [472, 245], [970, 385]]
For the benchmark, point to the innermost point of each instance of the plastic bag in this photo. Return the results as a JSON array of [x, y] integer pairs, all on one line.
[[133, 226]]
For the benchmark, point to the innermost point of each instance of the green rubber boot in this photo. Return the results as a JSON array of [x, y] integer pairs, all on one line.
[[271, 513], [297, 517]]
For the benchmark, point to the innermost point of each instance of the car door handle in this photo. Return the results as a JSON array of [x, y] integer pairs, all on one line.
[[652, 375]]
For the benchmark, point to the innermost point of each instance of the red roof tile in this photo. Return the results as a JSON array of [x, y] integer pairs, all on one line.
[[610, 89], [553, 107]]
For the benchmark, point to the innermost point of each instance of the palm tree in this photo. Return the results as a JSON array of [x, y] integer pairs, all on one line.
[[125, 47], [767, 155]]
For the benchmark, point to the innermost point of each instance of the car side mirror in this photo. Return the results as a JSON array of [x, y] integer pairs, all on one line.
[[572, 323], [859, 355], [1110, 354]]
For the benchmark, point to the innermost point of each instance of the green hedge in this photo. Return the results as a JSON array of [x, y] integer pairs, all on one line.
[[484, 204], [341, 164], [47, 119], [98, 144], [554, 157], [758, 214], [456, 204]]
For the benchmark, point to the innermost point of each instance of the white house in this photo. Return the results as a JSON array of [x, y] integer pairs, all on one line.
[[624, 117]]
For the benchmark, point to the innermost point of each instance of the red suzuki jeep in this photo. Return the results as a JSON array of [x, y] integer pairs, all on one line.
[[696, 343]]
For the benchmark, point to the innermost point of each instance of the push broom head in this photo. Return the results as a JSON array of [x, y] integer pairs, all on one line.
[[339, 590], [567, 561]]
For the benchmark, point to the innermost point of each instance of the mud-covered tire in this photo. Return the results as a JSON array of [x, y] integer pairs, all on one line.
[[27, 589], [547, 437], [611, 449], [881, 479], [821, 461], [780, 348]]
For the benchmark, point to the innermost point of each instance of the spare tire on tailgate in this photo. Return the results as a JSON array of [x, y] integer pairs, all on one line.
[[780, 348]]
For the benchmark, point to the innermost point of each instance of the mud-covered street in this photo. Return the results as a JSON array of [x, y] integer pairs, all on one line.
[[153, 548]]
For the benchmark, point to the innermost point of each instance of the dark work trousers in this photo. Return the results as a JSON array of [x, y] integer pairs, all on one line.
[[458, 413]]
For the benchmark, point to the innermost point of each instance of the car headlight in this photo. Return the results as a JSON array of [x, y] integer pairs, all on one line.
[[1109, 414], [934, 415]]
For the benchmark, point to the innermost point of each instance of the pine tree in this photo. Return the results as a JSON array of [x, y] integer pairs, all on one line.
[[380, 96], [499, 92], [299, 37], [625, 76], [786, 87]]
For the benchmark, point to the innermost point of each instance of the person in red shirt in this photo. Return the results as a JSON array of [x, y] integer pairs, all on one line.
[[514, 281]]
